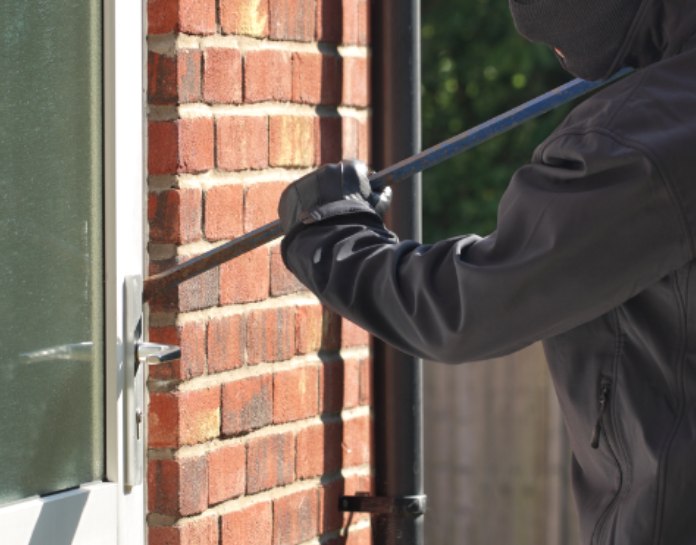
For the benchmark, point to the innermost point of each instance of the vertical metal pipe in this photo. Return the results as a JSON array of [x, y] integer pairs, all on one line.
[[397, 377]]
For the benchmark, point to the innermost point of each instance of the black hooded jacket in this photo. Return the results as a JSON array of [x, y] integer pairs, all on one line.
[[594, 254]]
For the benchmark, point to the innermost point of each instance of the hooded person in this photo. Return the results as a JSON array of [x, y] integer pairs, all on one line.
[[592, 39], [593, 254]]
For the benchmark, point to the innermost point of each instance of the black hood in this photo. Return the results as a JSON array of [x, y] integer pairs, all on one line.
[[599, 37]]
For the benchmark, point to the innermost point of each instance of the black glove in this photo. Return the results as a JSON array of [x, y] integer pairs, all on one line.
[[331, 190]]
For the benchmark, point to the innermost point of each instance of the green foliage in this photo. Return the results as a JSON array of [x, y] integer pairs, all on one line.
[[475, 66]]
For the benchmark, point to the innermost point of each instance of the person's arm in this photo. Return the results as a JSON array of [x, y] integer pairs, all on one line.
[[583, 228]]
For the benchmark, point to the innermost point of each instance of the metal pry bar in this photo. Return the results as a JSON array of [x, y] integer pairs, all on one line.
[[386, 177]]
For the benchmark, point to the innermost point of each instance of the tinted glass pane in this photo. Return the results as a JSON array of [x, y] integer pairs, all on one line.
[[51, 347]]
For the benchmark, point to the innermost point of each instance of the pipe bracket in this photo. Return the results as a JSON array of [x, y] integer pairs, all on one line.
[[404, 505]]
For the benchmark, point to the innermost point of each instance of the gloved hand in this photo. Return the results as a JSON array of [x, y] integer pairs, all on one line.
[[331, 190]]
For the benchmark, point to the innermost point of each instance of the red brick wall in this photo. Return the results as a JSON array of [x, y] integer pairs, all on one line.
[[254, 433]]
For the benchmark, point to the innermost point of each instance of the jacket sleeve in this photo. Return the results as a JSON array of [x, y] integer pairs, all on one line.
[[582, 228]]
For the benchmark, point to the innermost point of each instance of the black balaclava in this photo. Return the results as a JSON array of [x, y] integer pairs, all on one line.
[[592, 35]]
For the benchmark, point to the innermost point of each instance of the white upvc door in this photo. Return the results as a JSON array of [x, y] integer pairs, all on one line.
[[71, 238]]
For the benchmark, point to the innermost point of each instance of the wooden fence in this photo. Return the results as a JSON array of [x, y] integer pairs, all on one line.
[[496, 455]]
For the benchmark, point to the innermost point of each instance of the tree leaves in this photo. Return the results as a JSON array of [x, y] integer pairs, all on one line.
[[475, 66]]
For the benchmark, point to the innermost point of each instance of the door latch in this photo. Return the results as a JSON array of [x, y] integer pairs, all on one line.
[[137, 356]]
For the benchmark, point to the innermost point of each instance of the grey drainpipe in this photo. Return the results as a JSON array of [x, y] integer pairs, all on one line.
[[397, 377]]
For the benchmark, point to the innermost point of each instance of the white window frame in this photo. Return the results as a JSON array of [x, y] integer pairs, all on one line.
[[106, 513]]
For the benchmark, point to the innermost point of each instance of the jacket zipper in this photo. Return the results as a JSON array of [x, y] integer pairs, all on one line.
[[599, 429], [604, 390]]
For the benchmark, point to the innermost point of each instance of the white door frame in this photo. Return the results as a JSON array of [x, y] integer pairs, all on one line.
[[106, 513]]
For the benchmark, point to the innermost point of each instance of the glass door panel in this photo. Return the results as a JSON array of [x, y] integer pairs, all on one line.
[[51, 243]]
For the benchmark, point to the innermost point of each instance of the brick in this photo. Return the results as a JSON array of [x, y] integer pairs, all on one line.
[[292, 20], [242, 142], [356, 441], [356, 22], [356, 81], [283, 281], [188, 16], [163, 420], [200, 415], [316, 78], [175, 215], [252, 525], [340, 384], [330, 493], [351, 382], [364, 147], [245, 278], [365, 394], [267, 75], [197, 16], [306, 77], [291, 141], [192, 343], [163, 481], [174, 79], [163, 535], [350, 134], [270, 334], [331, 334], [319, 450], [270, 461], [178, 487], [162, 79], [355, 138], [308, 328], [353, 335], [196, 144], [190, 337], [328, 140], [247, 17], [296, 517], [350, 20], [226, 340], [247, 404], [163, 147], [184, 418], [162, 16], [189, 75], [199, 292], [180, 146], [332, 75], [190, 531], [224, 205], [222, 76], [295, 394], [363, 35], [190, 215], [261, 204], [329, 21], [331, 386], [226, 473]]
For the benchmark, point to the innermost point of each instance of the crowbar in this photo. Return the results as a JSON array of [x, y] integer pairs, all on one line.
[[391, 175]]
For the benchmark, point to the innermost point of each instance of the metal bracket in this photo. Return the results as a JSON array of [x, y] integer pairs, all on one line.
[[380, 505]]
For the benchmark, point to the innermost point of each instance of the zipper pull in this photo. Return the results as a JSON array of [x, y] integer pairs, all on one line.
[[603, 402]]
